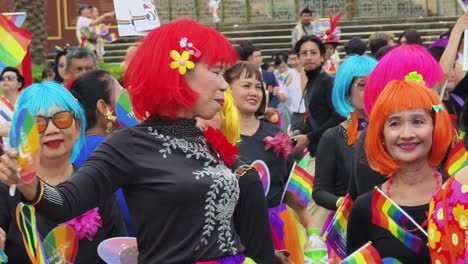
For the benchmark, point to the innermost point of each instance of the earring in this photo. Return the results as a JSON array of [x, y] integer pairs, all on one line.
[[111, 121]]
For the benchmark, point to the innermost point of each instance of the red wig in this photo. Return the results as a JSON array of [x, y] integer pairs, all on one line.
[[155, 88], [396, 97]]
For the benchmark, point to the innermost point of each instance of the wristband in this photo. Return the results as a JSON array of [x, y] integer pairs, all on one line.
[[339, 201]]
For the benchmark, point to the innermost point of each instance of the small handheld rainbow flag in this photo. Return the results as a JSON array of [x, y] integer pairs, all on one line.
[[3, 257], [300, 184], [61, 244], [388, 215], [458, 158], [367, 254], [113, 37], [14, 42], [124, 111], [27, 145], [335, 233]]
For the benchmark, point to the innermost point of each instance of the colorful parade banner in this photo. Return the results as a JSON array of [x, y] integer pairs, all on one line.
[[136, 18]]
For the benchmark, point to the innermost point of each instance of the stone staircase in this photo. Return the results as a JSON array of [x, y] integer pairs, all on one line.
[[274, 37]]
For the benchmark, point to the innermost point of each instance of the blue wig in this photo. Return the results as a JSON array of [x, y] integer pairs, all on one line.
[[40, 97], [353, 67]]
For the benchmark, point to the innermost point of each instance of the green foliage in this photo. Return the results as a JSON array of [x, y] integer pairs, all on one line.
[[113, 69]]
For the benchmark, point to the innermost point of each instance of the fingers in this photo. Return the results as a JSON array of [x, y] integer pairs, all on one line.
[[2, 239], [9, 168]]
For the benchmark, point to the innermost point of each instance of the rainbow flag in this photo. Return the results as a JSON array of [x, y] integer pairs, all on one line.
[[458, 158], [14, 42], [391, 261], [300, 183], [3, 257], [335, 234], [17, 18], [367, 254], [113, 37], [387, 215]]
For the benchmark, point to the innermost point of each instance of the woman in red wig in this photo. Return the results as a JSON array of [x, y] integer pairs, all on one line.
[[179, 189], [408, 136]]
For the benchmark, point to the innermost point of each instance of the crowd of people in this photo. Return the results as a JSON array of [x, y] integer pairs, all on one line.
[[183, 181]]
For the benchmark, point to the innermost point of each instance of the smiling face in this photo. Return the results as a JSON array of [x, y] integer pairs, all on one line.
[[247, 93], [57, 143], [408, 135], [209, 83]]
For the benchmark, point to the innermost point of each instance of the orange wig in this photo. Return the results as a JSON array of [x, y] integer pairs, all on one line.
[[396, 97]]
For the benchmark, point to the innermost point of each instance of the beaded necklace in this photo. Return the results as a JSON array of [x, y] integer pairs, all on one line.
[[437, 177]]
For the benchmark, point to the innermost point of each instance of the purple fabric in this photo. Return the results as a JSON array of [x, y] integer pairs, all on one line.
[[327, 223], [277, 224], [440, 42], [362, 124], [236, 259]]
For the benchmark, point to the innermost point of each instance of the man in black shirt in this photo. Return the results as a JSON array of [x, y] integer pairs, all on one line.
[[317, 94]]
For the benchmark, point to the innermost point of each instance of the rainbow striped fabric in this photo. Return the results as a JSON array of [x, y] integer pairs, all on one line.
[[14, 42], [335, 234], [386, 215], [458, 158], [367, 254], [17, 18], [301, 182]]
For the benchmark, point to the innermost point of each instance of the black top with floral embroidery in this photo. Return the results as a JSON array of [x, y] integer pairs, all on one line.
[[181, 197]]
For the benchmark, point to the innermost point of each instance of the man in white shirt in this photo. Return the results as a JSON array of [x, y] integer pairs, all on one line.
[[84, 23]]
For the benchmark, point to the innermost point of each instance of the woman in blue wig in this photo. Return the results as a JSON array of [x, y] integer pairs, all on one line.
[[334, 153], [61, 125]]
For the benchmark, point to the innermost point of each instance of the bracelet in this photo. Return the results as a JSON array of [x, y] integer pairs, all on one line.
[[338, 202]]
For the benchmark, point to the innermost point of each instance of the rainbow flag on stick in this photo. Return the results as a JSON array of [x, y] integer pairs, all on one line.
[[388, 215], [14, 42], [17, 18], [367, 254], [300, 182], [335, 233], [458, 158]]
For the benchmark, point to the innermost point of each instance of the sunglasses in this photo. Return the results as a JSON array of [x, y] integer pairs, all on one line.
[[61, 120], [9, 78]]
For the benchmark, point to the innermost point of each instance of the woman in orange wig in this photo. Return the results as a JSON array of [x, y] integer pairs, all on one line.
[[408, 135]]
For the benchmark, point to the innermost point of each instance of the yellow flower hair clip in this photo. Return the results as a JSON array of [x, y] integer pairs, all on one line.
[[415, 77], [181, 61]]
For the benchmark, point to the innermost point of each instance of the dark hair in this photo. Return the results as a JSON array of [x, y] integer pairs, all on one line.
[[279, 58], [80, 53], [412, 37], [250, 70], [436, 52], [355, 46], [305, 11], [383, 51], [49, 70], [292, 51], [83, 7], [88, 89], [245, 50], [311, 38], [378, 40], [18, 75], [59, 54]]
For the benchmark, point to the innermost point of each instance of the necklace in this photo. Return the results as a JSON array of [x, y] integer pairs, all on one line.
[[438, 179]]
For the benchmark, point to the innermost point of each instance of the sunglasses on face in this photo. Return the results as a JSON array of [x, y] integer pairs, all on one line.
[[9, 78], [62, 120]]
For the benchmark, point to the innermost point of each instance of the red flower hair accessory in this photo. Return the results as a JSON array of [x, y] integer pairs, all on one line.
[[221, 145], [280, 145]]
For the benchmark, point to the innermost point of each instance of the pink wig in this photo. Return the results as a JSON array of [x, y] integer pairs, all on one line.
[[395, 65], [155, 88]]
